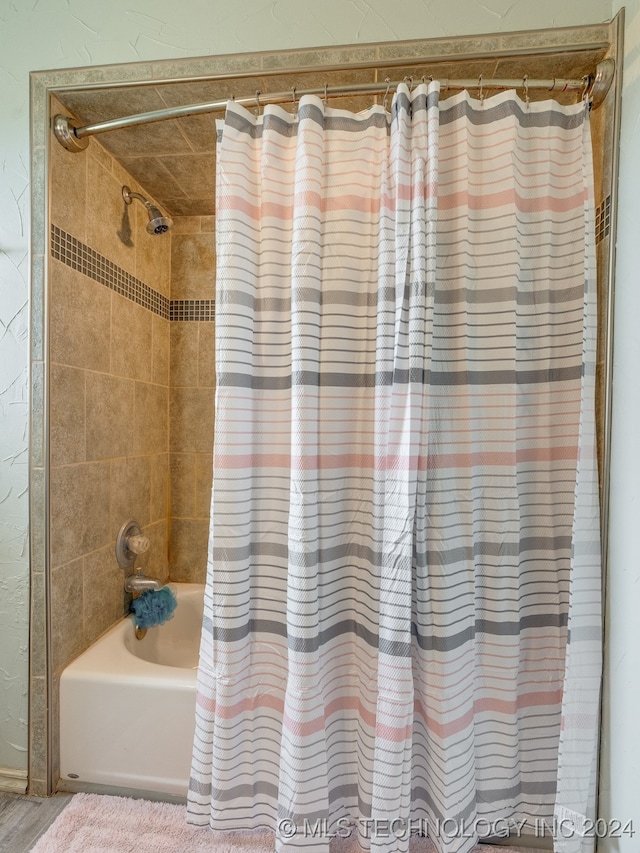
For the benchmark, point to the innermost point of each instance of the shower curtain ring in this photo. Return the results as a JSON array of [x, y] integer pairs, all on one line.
[[258, 102], [525, 83], [481, 93], [326, 96], [386, 94], [295, 105]]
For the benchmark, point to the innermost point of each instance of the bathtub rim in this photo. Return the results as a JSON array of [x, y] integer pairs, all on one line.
[[109, 656]]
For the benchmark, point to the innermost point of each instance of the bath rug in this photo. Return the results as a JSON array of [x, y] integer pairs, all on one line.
[[98, 823]]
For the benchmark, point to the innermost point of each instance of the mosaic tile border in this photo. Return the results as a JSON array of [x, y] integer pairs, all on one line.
[[202, 310], [603, 219], [77, 255]]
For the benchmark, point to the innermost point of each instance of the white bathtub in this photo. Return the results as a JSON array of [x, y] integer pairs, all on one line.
[[127, 706]]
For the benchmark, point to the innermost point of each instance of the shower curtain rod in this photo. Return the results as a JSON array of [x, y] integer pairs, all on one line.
[[594, 88]]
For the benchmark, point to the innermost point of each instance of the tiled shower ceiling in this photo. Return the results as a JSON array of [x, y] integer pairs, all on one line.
[[174, 160]]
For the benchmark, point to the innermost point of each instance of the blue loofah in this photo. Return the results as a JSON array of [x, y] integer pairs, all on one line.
[[154, 608]]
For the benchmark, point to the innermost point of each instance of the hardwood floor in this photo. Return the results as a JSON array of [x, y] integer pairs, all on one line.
[[24, 819]]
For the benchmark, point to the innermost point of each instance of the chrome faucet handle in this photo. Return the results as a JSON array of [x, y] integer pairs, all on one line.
[[130, 542], [138, 544]]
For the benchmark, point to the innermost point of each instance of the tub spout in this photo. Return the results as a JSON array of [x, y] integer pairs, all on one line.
[[141, 583]]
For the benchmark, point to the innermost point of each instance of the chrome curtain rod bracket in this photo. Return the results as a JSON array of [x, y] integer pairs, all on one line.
[[77, 138], [65, 133], [602, 82]]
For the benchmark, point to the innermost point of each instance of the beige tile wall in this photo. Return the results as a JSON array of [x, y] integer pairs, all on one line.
[[108, 402], [192, 398], [131, 400]]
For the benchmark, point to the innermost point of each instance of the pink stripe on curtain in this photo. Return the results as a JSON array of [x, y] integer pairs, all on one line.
[[402, 615]]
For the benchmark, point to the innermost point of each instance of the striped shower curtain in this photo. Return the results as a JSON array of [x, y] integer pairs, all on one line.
[[402, 629]]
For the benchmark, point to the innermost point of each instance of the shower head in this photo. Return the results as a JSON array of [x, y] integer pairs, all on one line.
[[158, 223]]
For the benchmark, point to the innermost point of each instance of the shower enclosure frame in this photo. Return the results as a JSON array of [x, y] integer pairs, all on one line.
[[550, 43]]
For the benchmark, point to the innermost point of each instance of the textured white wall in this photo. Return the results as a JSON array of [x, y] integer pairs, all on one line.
[[36, 35], [620, 776]]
